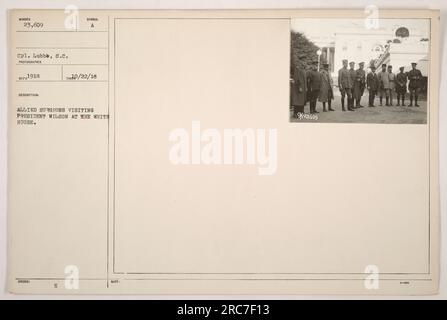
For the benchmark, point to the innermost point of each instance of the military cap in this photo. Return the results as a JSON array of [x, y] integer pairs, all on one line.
[[361, 64], [413, 63], [384, 65]]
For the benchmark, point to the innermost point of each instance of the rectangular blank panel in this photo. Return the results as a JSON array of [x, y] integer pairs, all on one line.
[[331, 207]]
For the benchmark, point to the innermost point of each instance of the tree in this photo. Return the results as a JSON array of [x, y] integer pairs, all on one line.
[[303, 51]]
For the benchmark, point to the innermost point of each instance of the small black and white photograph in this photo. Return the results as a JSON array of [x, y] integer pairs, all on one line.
[[355, 71]]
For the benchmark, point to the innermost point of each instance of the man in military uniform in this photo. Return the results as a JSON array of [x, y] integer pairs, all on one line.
[[359, 85], [352, 75], [392, 79], [345, 85], [372, 84], [384, 90], [401, 86], [415, 77], [313, 87]]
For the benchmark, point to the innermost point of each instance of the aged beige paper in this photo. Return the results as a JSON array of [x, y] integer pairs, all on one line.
[[154, 152]]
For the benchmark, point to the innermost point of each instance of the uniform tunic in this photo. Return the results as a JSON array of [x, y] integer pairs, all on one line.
[[352, 76], [344, 79], [359, 83], [384, 79], [415, 77], [392, 78], [401, 83]]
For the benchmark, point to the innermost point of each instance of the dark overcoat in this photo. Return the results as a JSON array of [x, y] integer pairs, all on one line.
[[359, 83], [299, 87], [372, 81]]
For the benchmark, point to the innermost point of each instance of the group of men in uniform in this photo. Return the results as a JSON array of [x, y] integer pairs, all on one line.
[[351, 83], [385, 83], [317, 85]]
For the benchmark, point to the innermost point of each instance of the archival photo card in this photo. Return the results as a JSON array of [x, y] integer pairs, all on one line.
[[150, 152]]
